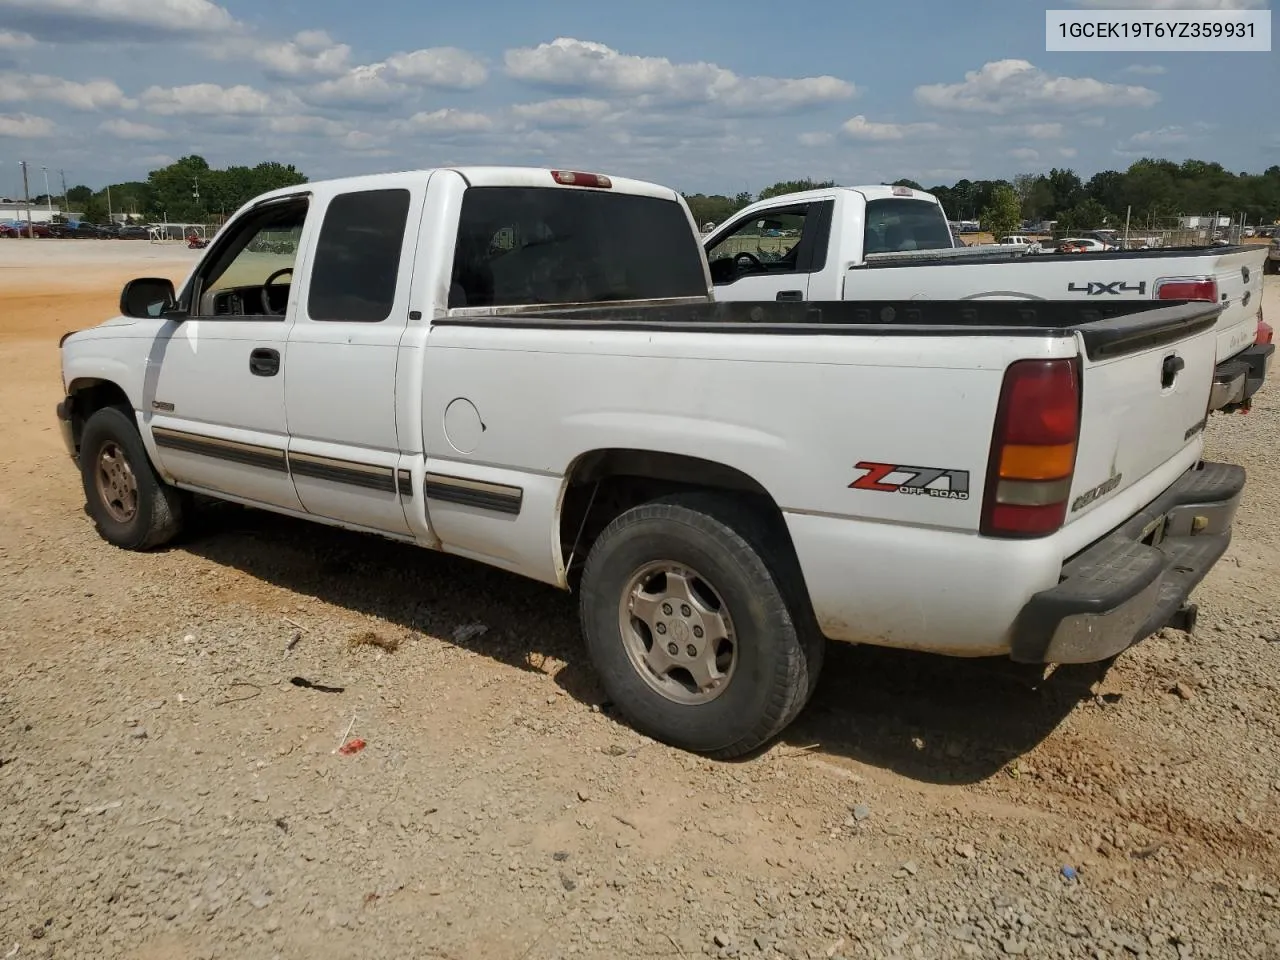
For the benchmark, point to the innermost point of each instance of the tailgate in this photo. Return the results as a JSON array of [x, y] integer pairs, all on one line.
[[1239, 277], [1145, 385]]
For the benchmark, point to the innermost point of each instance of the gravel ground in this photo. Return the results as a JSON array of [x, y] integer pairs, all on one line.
[[167, 790]]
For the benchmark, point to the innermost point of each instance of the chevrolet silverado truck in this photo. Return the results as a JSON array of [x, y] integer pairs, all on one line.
[[894, 243], [527, 368]]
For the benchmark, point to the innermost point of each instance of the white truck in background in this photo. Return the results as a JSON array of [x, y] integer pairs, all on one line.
[[894, 243], [526, 367]]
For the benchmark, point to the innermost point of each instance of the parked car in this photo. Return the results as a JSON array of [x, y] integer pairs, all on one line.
[[1018, 240], [466, 359], [893, 243], [1084, 245]]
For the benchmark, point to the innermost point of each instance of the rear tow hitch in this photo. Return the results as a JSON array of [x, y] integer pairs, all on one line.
[[1184, 618]]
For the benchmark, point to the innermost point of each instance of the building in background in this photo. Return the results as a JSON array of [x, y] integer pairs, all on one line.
[[16, 210]]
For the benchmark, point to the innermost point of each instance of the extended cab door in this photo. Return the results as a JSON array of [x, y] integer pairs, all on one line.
[[340, 392], [770, 254], [215, 381]]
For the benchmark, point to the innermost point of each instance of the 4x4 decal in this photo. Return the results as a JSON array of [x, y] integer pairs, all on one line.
[[920, 481], [1116, 288]]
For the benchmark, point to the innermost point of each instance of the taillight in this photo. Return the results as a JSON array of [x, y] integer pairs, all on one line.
[[569, 178], [1033, 449], [1193, 288], [1265, 333]]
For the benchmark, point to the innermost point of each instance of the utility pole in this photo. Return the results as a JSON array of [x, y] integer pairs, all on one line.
[[111, 218], [65, 202], [48, 197], [26, 199]]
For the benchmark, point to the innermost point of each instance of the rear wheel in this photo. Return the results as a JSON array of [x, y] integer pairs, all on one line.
[[129, 503], [695, 620]]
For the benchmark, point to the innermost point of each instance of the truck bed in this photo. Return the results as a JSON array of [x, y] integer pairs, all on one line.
[[1106, 328]]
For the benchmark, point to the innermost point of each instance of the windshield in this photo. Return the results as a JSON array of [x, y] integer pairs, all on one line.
[[896, 225], [549, 245]]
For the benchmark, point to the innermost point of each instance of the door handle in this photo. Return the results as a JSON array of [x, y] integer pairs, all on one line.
[[794, 296], [264, 362]]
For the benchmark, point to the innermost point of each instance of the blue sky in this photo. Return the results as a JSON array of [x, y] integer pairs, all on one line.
[[717, 95]]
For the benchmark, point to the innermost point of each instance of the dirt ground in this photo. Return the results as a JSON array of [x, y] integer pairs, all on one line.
[[166, 791]]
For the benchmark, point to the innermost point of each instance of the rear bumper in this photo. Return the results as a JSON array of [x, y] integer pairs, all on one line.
[[1133, 582], [1235, 381]]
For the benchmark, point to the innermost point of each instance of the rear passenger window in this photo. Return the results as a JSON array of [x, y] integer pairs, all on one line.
[[551, 245], [899, 225], [358, 256]]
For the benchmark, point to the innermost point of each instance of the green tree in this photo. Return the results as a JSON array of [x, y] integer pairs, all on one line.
[[1089, 214], [1003, 213], [79, 194], [95, 210], [1066, 188]]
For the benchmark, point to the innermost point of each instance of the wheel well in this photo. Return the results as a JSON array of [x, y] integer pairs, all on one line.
[[88, 396], [604, 484]]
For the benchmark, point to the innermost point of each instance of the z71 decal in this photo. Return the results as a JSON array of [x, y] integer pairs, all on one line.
[[919, 481], [1115, 288]]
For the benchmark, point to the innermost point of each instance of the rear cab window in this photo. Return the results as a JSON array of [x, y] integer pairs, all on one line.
[[552, 245], [358, 256], [897, 225]]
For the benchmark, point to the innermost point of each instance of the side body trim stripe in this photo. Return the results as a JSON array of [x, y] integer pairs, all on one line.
[[248, 454], [498, 497], [349, 472]]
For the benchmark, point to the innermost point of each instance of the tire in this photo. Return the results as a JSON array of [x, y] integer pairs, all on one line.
[[743, 570], [114, 462]]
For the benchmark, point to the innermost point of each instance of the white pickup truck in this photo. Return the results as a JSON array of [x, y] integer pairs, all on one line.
[[526, 367], [894, 243]]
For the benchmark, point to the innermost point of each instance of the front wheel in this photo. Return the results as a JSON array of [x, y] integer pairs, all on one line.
[[695, 620], [129, 503]]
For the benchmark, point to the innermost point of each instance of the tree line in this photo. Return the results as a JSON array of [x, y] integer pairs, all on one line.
[[188, 191], [1148, 190], [192, 191]]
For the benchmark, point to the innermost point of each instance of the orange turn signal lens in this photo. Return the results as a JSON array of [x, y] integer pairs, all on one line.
[[1027, 462]]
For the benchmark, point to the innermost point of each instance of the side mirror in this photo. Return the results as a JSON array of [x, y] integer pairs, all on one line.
[[147, 298]]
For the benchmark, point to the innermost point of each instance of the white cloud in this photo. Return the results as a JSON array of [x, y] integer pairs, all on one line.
[[209, 99], [816, 139], [570, 64], [860, 128], [1174, 4], [91, 20], [23, 126], [1005, 86], [1067, 152], [1025, 153], [12, 40], [446, 68], [445, 121], [90, 95], [367, 84], [565, 112], [128, 130], [309, 53], [301, 124], [1162, 137], [1145, 69], [1032, 131]]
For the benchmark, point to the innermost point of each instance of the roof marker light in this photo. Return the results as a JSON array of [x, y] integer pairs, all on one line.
[[570, 178]]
